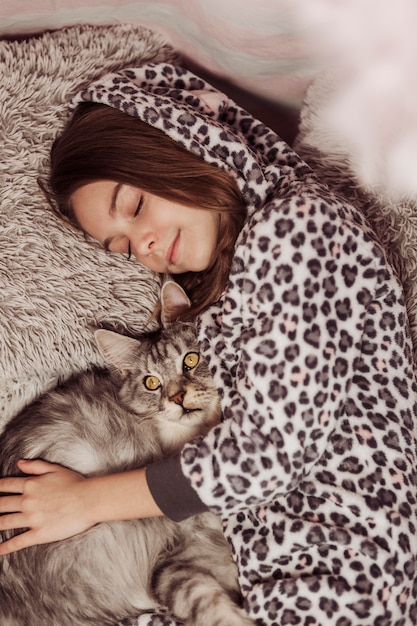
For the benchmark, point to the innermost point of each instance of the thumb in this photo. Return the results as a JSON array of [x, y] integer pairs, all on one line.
[[36, 467]]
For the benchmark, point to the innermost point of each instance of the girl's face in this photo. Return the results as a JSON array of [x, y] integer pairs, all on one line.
[[164, 236]]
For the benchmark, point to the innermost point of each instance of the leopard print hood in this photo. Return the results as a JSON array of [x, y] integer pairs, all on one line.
[[202, 119]]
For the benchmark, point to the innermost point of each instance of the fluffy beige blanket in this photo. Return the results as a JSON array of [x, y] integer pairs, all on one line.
[[54, 289]]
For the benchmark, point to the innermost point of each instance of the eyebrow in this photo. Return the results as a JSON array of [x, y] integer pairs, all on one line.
[[112, 211]]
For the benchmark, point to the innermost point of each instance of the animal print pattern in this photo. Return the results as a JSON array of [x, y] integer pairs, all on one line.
[[313, 468]]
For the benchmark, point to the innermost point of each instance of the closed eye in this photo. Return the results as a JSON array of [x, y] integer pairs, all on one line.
[[140, 204], [135, 214]]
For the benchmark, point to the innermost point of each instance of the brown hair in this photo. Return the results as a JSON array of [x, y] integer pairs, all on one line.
[[103, 143]]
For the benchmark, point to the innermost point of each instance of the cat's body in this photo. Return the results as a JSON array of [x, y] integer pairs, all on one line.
[[105, 422]]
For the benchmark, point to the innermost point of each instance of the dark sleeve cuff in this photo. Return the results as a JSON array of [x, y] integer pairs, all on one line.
[[172, 491]]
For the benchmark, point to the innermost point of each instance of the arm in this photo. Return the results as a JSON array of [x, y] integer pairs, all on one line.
[[55, 503], [283, 351]]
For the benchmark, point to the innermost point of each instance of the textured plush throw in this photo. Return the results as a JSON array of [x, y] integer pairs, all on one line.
[[54, 288]]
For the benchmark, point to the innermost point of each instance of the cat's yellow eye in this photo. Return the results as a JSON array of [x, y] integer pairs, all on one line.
[[191, 360], [152, 383]]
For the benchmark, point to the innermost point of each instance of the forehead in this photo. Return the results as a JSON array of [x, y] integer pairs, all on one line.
[[92, 193], [93, 205]]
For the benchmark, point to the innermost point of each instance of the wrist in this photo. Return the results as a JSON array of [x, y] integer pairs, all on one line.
[[121, 496]]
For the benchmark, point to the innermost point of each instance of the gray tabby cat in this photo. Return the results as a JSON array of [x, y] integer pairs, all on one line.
[[157, 395]]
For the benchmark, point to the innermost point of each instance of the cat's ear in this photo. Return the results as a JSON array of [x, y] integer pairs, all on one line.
[[116, 348], [174, 301]]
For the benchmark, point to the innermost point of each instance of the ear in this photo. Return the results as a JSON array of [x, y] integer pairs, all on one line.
[[174, 301], [213, 101], [116, 348]]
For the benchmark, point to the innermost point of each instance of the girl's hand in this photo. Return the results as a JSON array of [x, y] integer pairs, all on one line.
[[50, 502], [56, 503]]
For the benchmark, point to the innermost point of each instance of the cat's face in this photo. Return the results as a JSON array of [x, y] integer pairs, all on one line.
[[176, 385], [165, 379]]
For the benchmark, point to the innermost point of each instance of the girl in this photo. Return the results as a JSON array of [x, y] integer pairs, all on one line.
[[302, 322]]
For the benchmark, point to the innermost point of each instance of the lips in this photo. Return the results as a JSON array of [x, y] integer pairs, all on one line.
[[172, 253]]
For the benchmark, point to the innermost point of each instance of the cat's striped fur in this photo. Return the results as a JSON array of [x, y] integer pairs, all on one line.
[[109, 421]]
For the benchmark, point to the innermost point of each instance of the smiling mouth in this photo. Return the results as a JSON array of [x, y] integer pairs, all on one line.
[[172, 252]]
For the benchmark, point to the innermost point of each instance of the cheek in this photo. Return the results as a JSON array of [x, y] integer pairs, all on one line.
[[151, 263], [211, 245]]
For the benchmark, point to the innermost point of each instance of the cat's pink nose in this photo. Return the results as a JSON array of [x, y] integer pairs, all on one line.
[[178, 397]]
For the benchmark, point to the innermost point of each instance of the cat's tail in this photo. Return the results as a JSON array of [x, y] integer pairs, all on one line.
[[198, 581], [199, 598]]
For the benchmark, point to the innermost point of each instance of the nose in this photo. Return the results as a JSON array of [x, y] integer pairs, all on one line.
[[178, 397], [143, 243]]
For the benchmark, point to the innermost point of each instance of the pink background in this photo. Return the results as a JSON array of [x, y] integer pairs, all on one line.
[[251, 44]]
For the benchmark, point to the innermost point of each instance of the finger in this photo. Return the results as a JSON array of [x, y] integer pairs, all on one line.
[[10, 504], [13, 521], [36, 466], [12, 484], [18, 542]]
